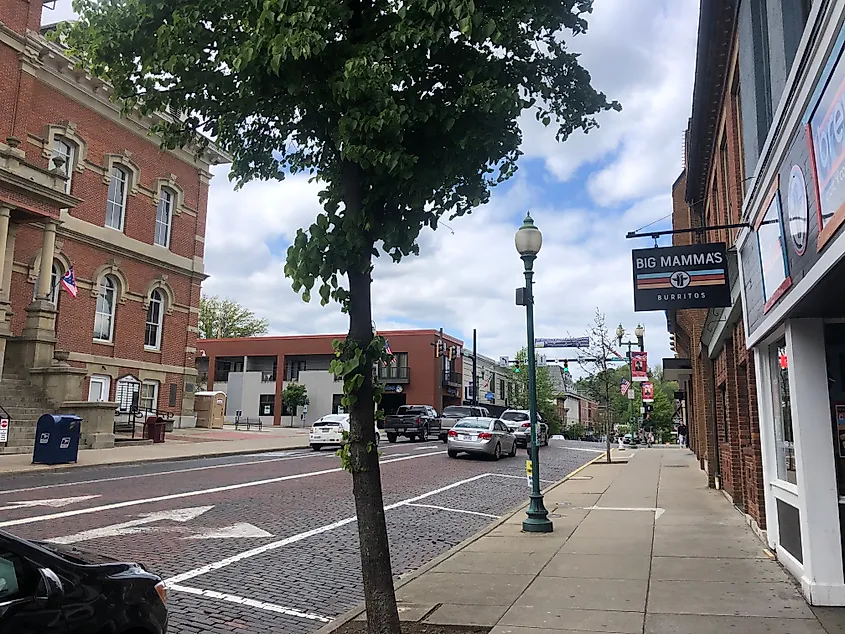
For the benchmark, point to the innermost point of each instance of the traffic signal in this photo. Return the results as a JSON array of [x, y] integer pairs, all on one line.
[[566, 365], [672, 341], [452, 350], [516, 366], [438, 349]]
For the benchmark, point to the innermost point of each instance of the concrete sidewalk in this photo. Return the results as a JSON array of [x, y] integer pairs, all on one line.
[[695, 568], [180, 444]]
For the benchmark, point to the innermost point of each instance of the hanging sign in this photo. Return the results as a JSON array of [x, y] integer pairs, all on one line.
[[648, 392], [639, 366], [840, 427], [568, 342], [673, 278]]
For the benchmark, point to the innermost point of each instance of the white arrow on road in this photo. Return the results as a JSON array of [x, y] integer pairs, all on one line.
[[133, 526], [54, 503], [657, 511], [242, 529]]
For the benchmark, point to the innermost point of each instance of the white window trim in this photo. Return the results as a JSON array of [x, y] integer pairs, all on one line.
[[166, 193], [159, 325], [105, 381], [124, 195], [156, 386], [113, 315]]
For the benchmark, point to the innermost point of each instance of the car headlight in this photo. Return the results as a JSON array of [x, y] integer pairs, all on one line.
[[161, 590]]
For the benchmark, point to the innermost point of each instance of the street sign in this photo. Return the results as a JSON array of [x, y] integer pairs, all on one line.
[[568, 342], [4, 429]]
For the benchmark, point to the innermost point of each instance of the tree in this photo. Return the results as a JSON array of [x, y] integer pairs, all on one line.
[[404, 111], [224, 318], [294, 395], [602, 381], [575, 432], [546, 392]]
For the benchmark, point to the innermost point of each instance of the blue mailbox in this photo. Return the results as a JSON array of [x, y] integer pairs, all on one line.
[[56, 439]]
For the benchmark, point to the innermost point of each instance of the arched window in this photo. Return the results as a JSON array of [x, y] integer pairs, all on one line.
[[54, 284], [104, 315], [155, 314], [116, 205], [164, 216], [127, 392], [66, 151]]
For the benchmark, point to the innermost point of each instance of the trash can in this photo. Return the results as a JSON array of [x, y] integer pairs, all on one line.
[[56, 439], [154, 428]]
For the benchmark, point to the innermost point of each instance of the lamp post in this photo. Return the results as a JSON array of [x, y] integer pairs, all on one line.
[[639, 331], [528, 241]]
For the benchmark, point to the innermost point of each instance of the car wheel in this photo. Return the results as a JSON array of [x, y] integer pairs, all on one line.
[[452, 453], [443, 438], [423, 436], [316, 447], [391, 438], [546, 439], [378, 439], [513, 450], [497, 452]]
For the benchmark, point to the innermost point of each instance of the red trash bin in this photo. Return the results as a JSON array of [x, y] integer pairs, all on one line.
[[154, 429]]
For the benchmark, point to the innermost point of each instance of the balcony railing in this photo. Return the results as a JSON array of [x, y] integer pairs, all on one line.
[[394, 374], [452, 377]]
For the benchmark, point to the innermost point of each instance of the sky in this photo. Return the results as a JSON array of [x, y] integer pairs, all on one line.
[[584, 194]]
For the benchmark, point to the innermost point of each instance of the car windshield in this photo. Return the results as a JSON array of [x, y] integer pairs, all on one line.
[[514, 417], [411, 409], [473, 423], [455, 411]]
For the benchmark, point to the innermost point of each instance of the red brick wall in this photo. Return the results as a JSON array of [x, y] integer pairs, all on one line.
[[34, 105]]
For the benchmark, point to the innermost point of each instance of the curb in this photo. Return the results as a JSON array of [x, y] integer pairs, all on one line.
[[130, 463], [405, 579]]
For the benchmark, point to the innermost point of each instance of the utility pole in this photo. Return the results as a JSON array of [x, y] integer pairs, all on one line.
[[474, 368], [440, 370]]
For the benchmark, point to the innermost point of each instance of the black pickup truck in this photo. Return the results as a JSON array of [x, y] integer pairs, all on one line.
[[417, 422]]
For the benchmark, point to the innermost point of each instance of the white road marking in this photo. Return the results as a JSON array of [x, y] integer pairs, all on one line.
[[451, 510], [252, 603], [238, 531], [260, 550], [657, 511], [55, 503], [157, 473], [132, 526], [189, 494], [583, 449]]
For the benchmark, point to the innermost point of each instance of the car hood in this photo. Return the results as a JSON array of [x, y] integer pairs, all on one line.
[[86, 557]]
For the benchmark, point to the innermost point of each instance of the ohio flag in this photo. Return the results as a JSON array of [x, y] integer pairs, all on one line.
[[69, 282]]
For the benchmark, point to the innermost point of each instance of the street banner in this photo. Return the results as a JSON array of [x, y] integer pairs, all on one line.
[[639, 366], [673, 278], [648, 392], [568, 342]]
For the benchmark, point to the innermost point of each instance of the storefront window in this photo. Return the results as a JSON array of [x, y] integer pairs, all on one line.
[[781, 406]]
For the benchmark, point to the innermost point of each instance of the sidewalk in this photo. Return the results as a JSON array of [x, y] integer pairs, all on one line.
[[695, 568], [179, 444]]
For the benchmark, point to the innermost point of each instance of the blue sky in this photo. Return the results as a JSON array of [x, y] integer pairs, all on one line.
[[584, 194]]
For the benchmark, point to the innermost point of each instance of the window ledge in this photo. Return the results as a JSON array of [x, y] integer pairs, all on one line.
[[113, 228], [103, 342], [149, 349]]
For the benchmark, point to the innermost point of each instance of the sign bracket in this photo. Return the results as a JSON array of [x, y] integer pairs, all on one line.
[[672, 232]]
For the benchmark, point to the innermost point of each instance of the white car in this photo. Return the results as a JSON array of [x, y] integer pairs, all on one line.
[[329, 429]]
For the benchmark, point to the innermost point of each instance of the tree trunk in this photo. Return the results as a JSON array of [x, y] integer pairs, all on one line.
[[379, 594]]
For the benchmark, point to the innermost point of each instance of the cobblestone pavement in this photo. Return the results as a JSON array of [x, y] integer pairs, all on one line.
[[267, 543]]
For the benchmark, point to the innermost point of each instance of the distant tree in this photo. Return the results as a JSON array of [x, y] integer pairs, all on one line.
[[575, 431], [602, 381], [225, 319], [546, 392], [294, 395]]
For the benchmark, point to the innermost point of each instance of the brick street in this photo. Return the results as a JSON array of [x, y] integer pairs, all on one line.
[[267, 543]]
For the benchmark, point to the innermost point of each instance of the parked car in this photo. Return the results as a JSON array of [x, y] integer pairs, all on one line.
[[519, 422], [50, 589], [416, 422], [454, 413], [328, 431], [488, 436]]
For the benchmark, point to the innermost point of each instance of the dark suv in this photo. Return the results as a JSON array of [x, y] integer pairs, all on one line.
[[49, 589], [453, 413]]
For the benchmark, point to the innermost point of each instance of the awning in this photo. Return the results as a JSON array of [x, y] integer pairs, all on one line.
[[676, 369]]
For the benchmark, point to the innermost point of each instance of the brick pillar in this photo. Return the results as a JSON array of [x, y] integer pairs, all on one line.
[[708, 421], [732, 407], [756, 460]]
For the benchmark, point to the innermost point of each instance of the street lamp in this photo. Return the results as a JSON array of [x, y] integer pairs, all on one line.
[[528, 241], [639, 331]]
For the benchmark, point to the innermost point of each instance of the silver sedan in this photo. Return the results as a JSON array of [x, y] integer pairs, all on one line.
[[488, 436]]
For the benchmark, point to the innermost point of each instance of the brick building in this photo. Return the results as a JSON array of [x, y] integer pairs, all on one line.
[[248, 371], [82, 186], [765, 378]]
